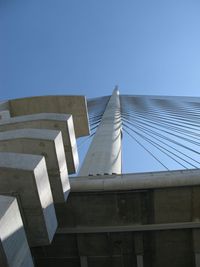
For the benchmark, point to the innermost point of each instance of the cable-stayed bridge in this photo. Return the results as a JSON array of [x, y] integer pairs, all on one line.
[[167, 129], [103, 216]]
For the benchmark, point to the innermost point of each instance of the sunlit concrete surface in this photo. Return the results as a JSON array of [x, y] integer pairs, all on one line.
[[47, 143], [14, 249], [134, 181], [53, 121], [25, 176], [104, 153], [4, 114], [75, 105]]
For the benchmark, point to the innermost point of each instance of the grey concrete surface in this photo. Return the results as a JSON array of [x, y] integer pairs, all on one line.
[[104, 153], [75, 105], [4, 114], [25, 176], [134, 181], [47, 143], [53, 121], [14, 249]]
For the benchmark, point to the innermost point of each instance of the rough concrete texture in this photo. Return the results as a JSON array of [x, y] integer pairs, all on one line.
[[4, 105], [134, 181], [154, 227], [4, 114], [14, 249], [25, 176], [75, 105], [47, 143], [104, 153], [53, 121]]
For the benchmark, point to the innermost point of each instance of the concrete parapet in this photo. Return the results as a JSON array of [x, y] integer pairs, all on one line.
[[25, 176], [135, 181], [43, 142], [14, 249], [62, 122]]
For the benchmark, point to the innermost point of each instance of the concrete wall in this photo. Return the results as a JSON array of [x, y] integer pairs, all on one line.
[[154, 227]]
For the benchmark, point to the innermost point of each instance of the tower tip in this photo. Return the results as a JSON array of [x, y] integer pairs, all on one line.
[[116, 89]]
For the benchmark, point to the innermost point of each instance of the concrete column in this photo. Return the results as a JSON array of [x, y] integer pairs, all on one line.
[[104, 154], [138, 243], [83, 261], [140, 261], [196, 246]]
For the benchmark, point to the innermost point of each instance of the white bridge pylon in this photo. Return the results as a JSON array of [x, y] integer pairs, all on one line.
[[104, 154]]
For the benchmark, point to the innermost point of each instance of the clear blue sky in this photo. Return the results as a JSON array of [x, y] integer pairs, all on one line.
[[86, 47]]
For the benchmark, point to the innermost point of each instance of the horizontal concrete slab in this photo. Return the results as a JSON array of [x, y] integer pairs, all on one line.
[[75, 105], [53, 121], [134, 181], [46, 143], [25, 176], [14, 249]]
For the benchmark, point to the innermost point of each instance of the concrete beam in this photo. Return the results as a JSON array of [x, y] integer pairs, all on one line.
[[75, 105], [46, 143], [53, 121], [128, 228], [14, 249], [135, 181], [25, 176]]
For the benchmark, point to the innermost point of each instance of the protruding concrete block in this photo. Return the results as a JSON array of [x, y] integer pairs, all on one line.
[[14, 249], [75, 105], [53, 121], [4, 114], [25, 176], [47, 143]]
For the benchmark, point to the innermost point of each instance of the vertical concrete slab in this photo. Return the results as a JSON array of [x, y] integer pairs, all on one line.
[[25, 176], [140, 261], [83, 261], [196, 246], [14, 249]]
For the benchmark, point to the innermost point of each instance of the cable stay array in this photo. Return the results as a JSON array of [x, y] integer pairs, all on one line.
[[167, 129], [96, 108]]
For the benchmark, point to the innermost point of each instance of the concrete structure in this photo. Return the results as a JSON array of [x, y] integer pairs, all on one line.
[[44, 142], [25, 177], [74, 105], [14, 249], [110, 219], [61, 122], [104, 154]]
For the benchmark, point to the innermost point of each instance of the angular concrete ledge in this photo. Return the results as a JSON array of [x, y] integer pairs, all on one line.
[[134, 181], [4, 114], [47, 143], [14, 249], [4, 105], [25, 176], [75, 105], [53, 121]]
